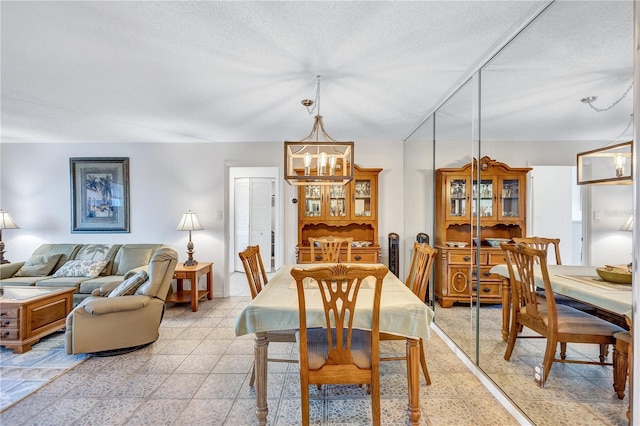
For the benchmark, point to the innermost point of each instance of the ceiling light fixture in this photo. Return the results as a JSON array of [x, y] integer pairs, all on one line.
[[318, 159], [609, 165], [589, 100]]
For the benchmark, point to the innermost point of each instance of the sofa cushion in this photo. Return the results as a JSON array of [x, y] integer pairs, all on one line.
[[81, 268], [132, 257], [130, 285], [99, 252], [38, 265], [89, 286], [68, 252]]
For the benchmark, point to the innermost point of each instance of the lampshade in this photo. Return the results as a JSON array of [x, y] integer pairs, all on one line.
[[628, 224], [189, 222], [6, 221], [318, 159], [608, 165]]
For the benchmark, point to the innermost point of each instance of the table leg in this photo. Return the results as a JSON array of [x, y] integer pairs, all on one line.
[[506, 308], [209, 284], [260, 356], [194, 291], [413, 380]]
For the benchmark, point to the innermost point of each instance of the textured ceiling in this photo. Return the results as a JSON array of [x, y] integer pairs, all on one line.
[[236, 71]]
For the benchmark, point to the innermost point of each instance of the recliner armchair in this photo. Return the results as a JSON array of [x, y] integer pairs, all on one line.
[[122, 323]]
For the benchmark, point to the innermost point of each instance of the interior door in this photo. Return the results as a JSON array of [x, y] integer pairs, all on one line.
[[253, 216]]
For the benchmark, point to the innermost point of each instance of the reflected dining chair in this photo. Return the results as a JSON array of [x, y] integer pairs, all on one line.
[[542, 243], [418, 281], [327, 249], [257, 279], [567, 325], [338, 353]]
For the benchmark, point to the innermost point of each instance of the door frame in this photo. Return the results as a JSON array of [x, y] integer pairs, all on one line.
[[239, 170]]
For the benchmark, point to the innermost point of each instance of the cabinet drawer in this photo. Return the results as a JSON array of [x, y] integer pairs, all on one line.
[[466, 258], [496, 258], [369, 257], [180, 275], [8, 323], [9, 334], [486, 289], [485, 275], [9, 312]]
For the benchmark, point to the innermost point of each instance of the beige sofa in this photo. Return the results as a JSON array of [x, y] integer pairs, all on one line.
[[48, 266], [115, 323]]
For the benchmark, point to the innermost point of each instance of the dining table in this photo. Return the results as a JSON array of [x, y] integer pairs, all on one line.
[[275, 308], [577, 282]]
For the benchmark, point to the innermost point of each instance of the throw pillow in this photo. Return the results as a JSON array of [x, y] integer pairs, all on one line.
[[38, 265], [131, 258], [130, 285], [81, 268], [98, 252]]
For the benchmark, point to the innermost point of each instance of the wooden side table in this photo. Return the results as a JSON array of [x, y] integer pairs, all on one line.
[[193, 274]]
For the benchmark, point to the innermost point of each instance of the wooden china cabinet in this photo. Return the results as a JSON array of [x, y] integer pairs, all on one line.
[[502, 208], [349, 210]]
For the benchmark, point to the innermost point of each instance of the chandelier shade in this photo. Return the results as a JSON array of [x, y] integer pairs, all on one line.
[[611, 165], [318, 159]]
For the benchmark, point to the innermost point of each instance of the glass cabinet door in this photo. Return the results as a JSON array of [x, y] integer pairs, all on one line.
[[457, 198], [313, 201], [337, 201], [510, 198], [485, 192], [362, 198]]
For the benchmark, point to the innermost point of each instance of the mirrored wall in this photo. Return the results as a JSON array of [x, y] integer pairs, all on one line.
[[526, 108]]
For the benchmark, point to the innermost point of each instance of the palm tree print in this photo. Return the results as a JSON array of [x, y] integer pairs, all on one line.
[[99, 186]]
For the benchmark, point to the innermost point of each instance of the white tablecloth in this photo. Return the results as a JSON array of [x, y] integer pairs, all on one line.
[[276, 308], [567, 280]]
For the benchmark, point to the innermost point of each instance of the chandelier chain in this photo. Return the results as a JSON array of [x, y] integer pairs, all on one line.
[[596, 109], [316, 102]]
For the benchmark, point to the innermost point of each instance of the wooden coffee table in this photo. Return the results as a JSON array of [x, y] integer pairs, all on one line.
[[28, 314]]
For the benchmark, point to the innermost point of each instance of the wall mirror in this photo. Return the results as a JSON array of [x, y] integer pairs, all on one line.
[[530, 114]]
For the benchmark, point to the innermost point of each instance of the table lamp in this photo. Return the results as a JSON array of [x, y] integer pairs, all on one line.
[[6, 222], [189, 222]]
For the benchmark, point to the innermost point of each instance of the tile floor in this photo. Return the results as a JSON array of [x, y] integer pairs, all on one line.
[[197, 373], [574, 393]]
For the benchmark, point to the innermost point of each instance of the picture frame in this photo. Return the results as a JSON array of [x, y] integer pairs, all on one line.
[[99, 194]]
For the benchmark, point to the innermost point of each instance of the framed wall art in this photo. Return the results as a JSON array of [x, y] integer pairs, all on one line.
[[99, 194]]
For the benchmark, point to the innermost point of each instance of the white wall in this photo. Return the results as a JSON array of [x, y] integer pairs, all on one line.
[[165, 181]]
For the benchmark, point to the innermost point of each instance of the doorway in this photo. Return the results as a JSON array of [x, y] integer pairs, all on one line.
[[254, 212]]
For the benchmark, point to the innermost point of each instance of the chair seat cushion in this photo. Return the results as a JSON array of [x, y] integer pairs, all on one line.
[[573, 321], [318, 347]]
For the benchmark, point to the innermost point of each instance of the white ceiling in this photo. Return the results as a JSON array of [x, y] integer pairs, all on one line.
[[176, 71]]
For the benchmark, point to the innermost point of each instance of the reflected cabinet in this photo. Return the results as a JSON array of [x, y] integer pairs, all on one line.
[[497, 198], [349, 210]]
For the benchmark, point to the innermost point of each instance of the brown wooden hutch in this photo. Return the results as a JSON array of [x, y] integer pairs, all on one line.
[[349, 210], [502, 209]]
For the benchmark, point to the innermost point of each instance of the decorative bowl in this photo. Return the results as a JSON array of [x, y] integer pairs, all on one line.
[[361, 243], [456, 244], [495, 242], [615, 275]]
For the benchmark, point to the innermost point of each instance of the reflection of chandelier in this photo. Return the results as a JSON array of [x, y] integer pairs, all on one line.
[[318, 159]]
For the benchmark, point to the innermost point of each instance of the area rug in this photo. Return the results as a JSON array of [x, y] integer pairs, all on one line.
[[23, 374]]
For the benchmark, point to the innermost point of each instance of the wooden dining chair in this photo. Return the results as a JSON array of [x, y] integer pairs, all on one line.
[[327, 249], [621, 358], [418, 281], [338, 353], [542, 243], [567, 325], [257, 279]]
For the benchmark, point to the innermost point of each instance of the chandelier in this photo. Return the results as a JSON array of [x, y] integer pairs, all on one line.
[[318, 159]]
